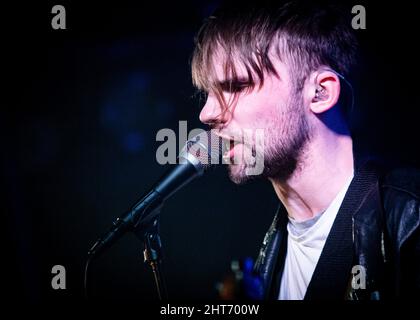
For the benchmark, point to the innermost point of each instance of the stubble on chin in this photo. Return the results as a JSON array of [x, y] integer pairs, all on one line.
[[286, 140]]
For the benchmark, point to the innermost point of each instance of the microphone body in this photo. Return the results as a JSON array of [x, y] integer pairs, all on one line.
[[190, 166]]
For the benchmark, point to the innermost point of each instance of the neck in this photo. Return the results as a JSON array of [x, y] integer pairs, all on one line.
[[323, 169]]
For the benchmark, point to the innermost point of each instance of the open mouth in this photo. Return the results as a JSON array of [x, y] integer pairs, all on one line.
[[229, 146], [228, 149]]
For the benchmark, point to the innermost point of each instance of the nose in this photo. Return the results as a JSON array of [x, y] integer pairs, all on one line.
[[212, 114]]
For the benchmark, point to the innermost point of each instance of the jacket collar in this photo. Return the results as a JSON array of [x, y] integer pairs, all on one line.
[[331, 275]]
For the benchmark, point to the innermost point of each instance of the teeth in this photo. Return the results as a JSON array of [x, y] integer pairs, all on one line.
[[226, 144]]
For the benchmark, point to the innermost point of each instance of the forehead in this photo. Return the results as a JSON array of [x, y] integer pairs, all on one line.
[[221, 62]]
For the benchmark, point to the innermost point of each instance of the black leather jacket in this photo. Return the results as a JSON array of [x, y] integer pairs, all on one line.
[[377, 227]]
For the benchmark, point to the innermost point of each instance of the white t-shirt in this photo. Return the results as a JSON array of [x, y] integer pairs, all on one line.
[[305, 242]]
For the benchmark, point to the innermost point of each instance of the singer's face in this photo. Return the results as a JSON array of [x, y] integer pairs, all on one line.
[[274, 109]]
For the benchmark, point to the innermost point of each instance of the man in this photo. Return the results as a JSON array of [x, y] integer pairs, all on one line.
[[344, 229]]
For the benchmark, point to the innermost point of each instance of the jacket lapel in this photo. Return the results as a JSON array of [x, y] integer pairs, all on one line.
[[332, 273], [272, 251]]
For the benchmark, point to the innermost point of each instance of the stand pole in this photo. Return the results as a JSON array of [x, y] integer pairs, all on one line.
[[152, 255]]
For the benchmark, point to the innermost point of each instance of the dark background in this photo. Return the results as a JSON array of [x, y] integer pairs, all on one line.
[[80, 112]]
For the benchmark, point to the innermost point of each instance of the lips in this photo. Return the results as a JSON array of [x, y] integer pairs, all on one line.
[[228, 155], [229, 149], [229, 144]]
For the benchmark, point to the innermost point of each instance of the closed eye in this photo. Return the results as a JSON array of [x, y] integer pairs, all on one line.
[[234, 86]]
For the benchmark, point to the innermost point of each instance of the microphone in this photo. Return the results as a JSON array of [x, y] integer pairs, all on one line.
[[197, 156]]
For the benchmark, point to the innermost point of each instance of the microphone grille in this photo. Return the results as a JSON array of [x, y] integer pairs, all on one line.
[[206, 147]]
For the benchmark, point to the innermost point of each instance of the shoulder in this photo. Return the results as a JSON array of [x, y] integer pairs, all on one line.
[[402, 182], [400, 191]]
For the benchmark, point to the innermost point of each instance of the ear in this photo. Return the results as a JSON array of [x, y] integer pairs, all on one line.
[[324, 91]]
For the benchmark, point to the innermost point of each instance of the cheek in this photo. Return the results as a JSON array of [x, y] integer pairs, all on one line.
[[259, 108], [268, 114]]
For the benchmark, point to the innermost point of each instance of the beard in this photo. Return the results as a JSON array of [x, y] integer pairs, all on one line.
[[286, 135]]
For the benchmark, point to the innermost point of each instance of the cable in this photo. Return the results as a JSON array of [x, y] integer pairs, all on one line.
[[348, 84], [351, 89], [85, 282]]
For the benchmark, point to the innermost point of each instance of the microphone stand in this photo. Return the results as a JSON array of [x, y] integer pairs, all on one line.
[[149, 234]]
